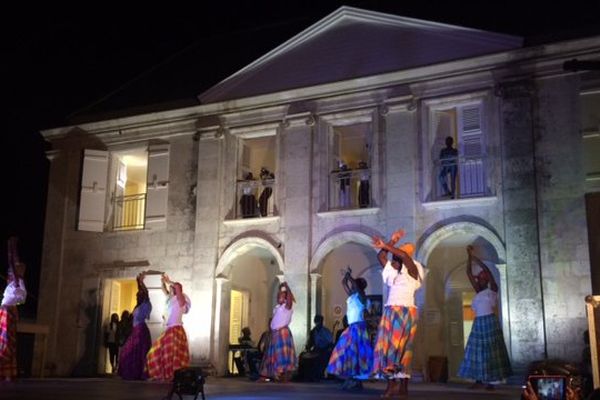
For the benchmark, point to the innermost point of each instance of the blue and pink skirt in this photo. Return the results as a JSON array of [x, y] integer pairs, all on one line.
[[352, 356]]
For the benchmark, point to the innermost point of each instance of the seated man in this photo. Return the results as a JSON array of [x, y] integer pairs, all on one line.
[[313, 360], [246, 341]]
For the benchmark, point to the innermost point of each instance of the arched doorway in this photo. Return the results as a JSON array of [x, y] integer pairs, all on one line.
[[334, 255], [248, 274], [445, 304]]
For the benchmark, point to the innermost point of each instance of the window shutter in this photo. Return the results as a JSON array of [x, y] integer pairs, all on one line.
[[158, 186], [471, 151], [93, 191]]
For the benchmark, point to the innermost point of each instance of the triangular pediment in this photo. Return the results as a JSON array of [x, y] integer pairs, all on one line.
[[351, 43]]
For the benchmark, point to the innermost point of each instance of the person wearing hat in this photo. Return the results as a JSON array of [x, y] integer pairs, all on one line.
[[396, 331], [170, 352], [14, 295], [486, 358]]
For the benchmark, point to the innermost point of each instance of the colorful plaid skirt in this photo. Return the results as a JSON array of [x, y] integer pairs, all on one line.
[[280, 356], [486, 358], [353, 353], [394, 346], [169, 353], [132, 357], [8, 341]]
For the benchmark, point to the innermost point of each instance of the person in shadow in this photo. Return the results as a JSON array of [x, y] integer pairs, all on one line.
[[448, 166], [313, 360]]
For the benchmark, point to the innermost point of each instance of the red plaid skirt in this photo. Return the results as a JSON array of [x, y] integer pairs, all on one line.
[[8, 341], [280, 354], [168, 354]]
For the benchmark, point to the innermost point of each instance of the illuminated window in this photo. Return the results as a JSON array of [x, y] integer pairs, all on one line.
[[124, 190], [255, 187], [455, 161]]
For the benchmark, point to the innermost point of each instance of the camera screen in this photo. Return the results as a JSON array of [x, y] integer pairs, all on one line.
[[550, 388]]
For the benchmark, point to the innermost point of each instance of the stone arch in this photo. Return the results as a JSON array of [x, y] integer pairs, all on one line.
[[329, 244], [448, 233], [334, 241], [434, 238], [239, 247], [224, 280]]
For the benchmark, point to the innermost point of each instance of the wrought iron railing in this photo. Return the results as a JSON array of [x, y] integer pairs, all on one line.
[[349, 189], [129, 212], [467, 173], [255, 198]]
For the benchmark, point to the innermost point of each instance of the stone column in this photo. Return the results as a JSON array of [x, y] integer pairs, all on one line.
[[563, 235], [221, 317], [521, 226], [315, 302]]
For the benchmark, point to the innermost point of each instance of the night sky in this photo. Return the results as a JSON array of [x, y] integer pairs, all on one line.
[[60, 66]]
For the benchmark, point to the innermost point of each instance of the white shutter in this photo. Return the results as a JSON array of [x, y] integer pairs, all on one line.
[[158, 186], [93, 191], [471, 151]]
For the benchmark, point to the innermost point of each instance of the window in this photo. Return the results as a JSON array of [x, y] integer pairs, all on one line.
[[590, 124], [256, 177], [124, 190], [457, 152], [350, 161], [128, 199]]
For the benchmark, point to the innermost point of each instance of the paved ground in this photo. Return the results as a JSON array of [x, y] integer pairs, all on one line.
[[230, 388]]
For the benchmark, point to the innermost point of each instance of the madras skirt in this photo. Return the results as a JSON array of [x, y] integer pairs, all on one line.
[[132, 357], [394, 346], [280, 355], [486, 358], [353, 354], [8, 341], [169, 353]]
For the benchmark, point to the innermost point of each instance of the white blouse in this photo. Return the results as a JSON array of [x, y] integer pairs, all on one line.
[[401, 286], [13, 294]]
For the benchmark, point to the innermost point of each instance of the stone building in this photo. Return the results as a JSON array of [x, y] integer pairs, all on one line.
[[347, 119]]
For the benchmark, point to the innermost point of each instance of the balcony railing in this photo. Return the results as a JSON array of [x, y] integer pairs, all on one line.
[[468, 177], [255, 198], [129, 212], [350, 189]]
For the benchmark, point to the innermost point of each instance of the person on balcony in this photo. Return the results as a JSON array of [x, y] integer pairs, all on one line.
[[132, 357], [344, 181], [248, 199], [14, 295], [279, 359], [352, 356], [448, 166], [171, 352], [398, 326], [486, 358], [267, 178], [364, 197]]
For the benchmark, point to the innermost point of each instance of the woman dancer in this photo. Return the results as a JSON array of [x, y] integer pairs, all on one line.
[[14, 294], [486, 358], [398, 325], [279, 359], [170, 352], [132, 359], [352, 356]]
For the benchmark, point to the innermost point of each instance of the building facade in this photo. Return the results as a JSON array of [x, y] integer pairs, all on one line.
[[288, 168]]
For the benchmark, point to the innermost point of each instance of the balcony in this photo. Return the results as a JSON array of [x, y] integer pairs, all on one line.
[[349, 189], [129, 212], [468, 176], [255, 198]]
